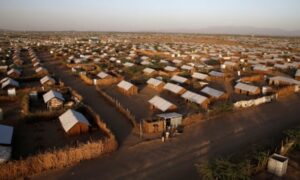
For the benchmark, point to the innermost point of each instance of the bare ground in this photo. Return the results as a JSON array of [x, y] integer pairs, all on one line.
[[175, 159]]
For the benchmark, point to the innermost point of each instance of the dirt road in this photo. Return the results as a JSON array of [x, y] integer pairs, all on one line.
[[120, 126], [175, 159]]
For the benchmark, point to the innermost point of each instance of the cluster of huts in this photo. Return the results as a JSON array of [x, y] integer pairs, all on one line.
[[72, 122], [176, 67]]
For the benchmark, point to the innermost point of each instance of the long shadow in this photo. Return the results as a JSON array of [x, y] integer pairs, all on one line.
[[119, 125]]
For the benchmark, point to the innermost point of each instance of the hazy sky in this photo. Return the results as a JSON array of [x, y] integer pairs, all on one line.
[[151, 15]]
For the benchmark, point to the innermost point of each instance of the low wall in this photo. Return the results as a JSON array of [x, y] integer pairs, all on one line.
[[286, 91], [254, 102], [86, 79], [108, 81]]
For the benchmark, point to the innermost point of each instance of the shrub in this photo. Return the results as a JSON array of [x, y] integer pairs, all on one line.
[[294, 135], [222, 108], [224, 169]]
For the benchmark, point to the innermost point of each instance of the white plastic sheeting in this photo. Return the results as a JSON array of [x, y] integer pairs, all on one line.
[[254, 102]]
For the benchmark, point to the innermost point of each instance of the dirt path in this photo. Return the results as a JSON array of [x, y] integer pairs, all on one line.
[[115, 121], [175, 159]]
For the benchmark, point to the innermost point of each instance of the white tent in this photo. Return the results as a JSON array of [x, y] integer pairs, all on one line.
[[70, 118], [160, 103]]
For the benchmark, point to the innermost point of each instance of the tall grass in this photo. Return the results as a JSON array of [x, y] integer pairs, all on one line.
[[56, 159]]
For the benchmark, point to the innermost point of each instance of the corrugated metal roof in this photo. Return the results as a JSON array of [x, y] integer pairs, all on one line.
[[71, 118], [260, 67], [6, 133], [212, 92], [200, 76], [285, 79], [246, 87], [46, 78], [186, 67], [128, 64], [281, 66], [4, 79], [40, 69], [194, 97], [52, 94], [179, 79], [154, 82], [160, 103], [102, 75], [13, 71], [173, 88], [148, 70], [170, 68], [11, 82], [216, 73], [169, 115], [125, 85], [177, 61]]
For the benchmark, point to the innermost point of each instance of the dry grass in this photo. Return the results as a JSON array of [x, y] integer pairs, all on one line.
[[286, 91], [193, 119], [254, 78], [56, 159], [86, 79]]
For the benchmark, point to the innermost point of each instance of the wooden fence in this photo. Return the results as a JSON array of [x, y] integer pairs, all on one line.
[[118, 106]]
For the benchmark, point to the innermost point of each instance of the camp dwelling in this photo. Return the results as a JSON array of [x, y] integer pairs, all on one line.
[[174, 88], [41, 71], [196, 98], [262, 69], [54, 100], [37, 64], [171, 120], [170, 69], [47, 81], [200, 76], [229, 65], [161, 104], [187, 68], [155, 84], [14, 73], [6, 134], [149, 71], [242, 88], [74, 122], [214, 94], [179, 79], [281, 80], [127, 88], [8, 83], [216, 74], [103, 75]]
